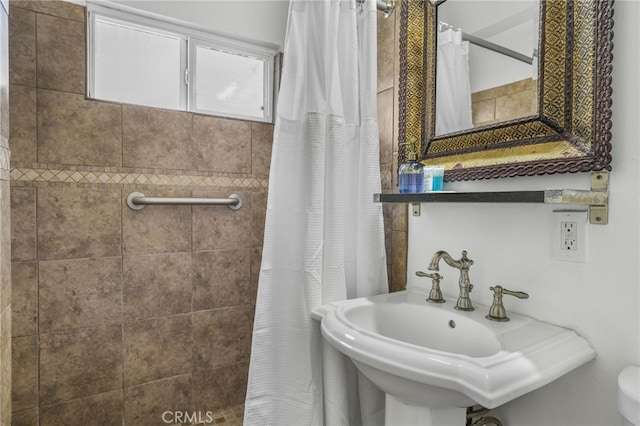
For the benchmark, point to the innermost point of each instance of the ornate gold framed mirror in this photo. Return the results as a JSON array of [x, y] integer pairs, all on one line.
[[570, 128]]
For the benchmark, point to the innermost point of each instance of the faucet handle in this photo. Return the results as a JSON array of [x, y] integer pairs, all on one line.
[[435, 295], [499, 289], [497, 311], [433, 275]]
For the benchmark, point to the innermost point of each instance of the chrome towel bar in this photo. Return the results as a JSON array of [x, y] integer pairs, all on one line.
[[137, 201]]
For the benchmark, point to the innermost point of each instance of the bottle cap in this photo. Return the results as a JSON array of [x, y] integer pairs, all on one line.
[[411, 150]]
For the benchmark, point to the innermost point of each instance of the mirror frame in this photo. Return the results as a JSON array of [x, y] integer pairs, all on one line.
[[572, 129]]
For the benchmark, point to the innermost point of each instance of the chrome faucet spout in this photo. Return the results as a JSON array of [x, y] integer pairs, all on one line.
[[463, 264]]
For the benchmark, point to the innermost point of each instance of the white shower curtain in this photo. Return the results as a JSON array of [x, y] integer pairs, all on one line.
[[453, 88], [324, 237]]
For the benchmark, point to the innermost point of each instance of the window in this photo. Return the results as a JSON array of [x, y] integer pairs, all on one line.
[[140, 59]]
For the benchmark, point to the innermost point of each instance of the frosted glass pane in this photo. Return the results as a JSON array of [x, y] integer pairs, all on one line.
[[229, 83], [136, 66]]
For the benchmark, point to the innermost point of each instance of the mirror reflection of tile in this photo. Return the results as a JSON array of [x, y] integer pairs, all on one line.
[[508, 102]]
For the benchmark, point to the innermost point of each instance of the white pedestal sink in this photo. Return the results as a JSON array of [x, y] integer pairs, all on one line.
[[433, 361]]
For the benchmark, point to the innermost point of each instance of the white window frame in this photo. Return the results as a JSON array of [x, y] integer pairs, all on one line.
[[268, 75], [193, 36]]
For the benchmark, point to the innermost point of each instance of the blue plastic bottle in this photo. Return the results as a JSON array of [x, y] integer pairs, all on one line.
[[411, 175]]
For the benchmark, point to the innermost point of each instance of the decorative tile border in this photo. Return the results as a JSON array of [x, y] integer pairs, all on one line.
[[75, 175], [130, 178], [387, 179]]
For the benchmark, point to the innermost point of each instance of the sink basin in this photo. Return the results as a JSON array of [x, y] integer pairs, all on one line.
[[431, 355], [418, 325]]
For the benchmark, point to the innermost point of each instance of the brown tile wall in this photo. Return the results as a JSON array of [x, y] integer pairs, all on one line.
[[5, 225], [120, 314], [395, 215], [508, 102]]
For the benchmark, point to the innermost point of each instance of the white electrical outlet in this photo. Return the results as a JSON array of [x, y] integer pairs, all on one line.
[[570, 235]]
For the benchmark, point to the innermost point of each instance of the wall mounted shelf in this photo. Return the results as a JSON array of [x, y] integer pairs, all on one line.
[[597, 198]]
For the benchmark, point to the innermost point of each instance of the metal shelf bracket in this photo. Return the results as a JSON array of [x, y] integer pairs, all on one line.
[[597, 199], [599, 213]]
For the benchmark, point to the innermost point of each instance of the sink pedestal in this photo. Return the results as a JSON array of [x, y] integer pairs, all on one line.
[[399, 413]]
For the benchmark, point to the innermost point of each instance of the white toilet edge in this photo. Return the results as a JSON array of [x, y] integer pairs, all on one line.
[[629, 394]]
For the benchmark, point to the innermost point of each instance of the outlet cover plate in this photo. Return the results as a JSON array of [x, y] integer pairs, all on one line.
[[570, 235]]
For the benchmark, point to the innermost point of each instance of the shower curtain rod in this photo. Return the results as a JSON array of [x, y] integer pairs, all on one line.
[[497, 48], [384, 6], [489, 45]]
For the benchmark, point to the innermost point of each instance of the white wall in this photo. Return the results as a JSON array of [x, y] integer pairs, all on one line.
[[511, 246], [262, 20]]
